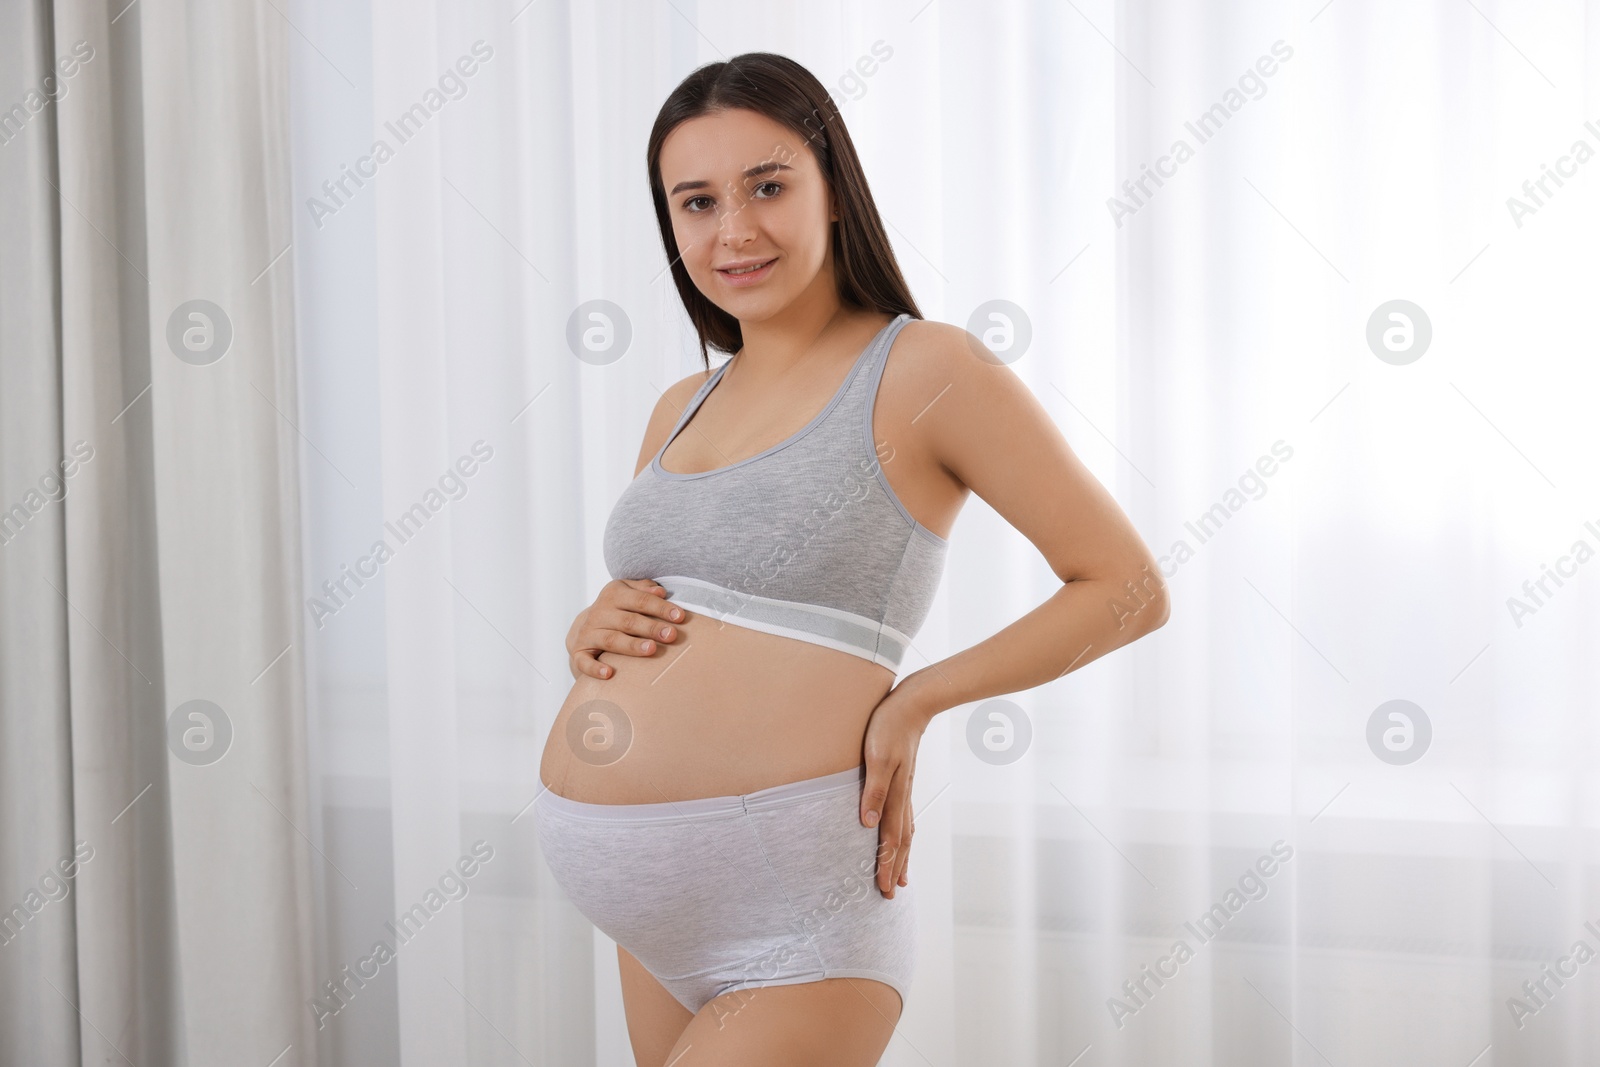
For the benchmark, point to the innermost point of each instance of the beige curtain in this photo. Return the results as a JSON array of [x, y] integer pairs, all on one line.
[[155, 849]]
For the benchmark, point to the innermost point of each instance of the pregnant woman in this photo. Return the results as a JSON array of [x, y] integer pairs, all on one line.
[[729, 781]]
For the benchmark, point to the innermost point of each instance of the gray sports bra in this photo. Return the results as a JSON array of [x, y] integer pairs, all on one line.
[[804, 539]]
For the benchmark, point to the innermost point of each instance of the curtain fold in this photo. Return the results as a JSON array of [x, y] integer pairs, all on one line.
[[152, 654], [36, 811]]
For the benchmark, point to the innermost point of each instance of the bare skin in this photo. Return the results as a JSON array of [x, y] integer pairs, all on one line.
[[717, 709]]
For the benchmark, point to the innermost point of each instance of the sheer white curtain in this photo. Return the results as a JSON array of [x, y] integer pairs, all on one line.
[[1347, 493]]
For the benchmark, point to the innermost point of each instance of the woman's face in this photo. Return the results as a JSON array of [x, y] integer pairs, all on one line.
[[743, 189]]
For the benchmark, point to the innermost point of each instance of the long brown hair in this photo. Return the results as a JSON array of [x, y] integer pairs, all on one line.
[[776, 86]]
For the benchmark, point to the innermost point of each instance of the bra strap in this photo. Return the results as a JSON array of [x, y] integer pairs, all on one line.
[[874, 377], [693, 405], [885, 342]]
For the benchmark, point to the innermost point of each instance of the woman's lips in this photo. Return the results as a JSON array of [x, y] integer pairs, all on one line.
[[750, 277]]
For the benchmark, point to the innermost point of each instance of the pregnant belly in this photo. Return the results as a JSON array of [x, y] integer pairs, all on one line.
[[722, 710]]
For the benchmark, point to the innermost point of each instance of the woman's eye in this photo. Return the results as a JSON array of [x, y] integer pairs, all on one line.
[[689, 204]]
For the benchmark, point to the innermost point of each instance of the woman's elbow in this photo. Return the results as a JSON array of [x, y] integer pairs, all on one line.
[[1146, 605]]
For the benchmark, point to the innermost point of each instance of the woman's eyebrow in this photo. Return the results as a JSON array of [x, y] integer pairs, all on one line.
[[771, 167]]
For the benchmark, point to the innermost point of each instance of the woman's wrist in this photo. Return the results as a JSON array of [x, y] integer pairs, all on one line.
[[927, 692]]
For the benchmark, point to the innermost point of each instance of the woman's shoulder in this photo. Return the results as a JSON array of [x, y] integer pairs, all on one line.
[[927, 350], [943, 389]]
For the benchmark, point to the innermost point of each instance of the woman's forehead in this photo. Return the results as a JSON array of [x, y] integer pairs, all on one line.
[[722, 146]]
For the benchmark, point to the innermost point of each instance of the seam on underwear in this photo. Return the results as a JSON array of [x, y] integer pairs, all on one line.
[[893, 981], [715, 967], [774, 804], [849, 779], [778, 879], [655, 820]]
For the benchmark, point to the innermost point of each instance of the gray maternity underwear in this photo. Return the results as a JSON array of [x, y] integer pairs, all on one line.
[[718, 894]]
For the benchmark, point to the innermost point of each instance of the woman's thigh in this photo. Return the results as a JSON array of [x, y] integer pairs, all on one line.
[[841, 1022], [655, 1018]]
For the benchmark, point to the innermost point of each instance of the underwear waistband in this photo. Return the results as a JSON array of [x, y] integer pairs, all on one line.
[[706, 807]]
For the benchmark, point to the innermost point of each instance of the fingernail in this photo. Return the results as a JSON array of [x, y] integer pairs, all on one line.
[[644, 646], [872, 818], [666, 633], [676, 615]]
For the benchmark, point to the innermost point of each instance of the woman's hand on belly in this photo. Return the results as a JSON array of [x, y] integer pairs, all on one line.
[[625, 610], [893, 735]]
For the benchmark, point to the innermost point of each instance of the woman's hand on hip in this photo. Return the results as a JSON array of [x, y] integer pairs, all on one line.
[[625, 610], [890, 749]]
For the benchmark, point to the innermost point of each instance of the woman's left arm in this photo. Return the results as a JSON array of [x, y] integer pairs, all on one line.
[[991, 434]]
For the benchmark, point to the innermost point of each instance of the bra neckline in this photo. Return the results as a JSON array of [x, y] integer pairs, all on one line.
[[711, 384]]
